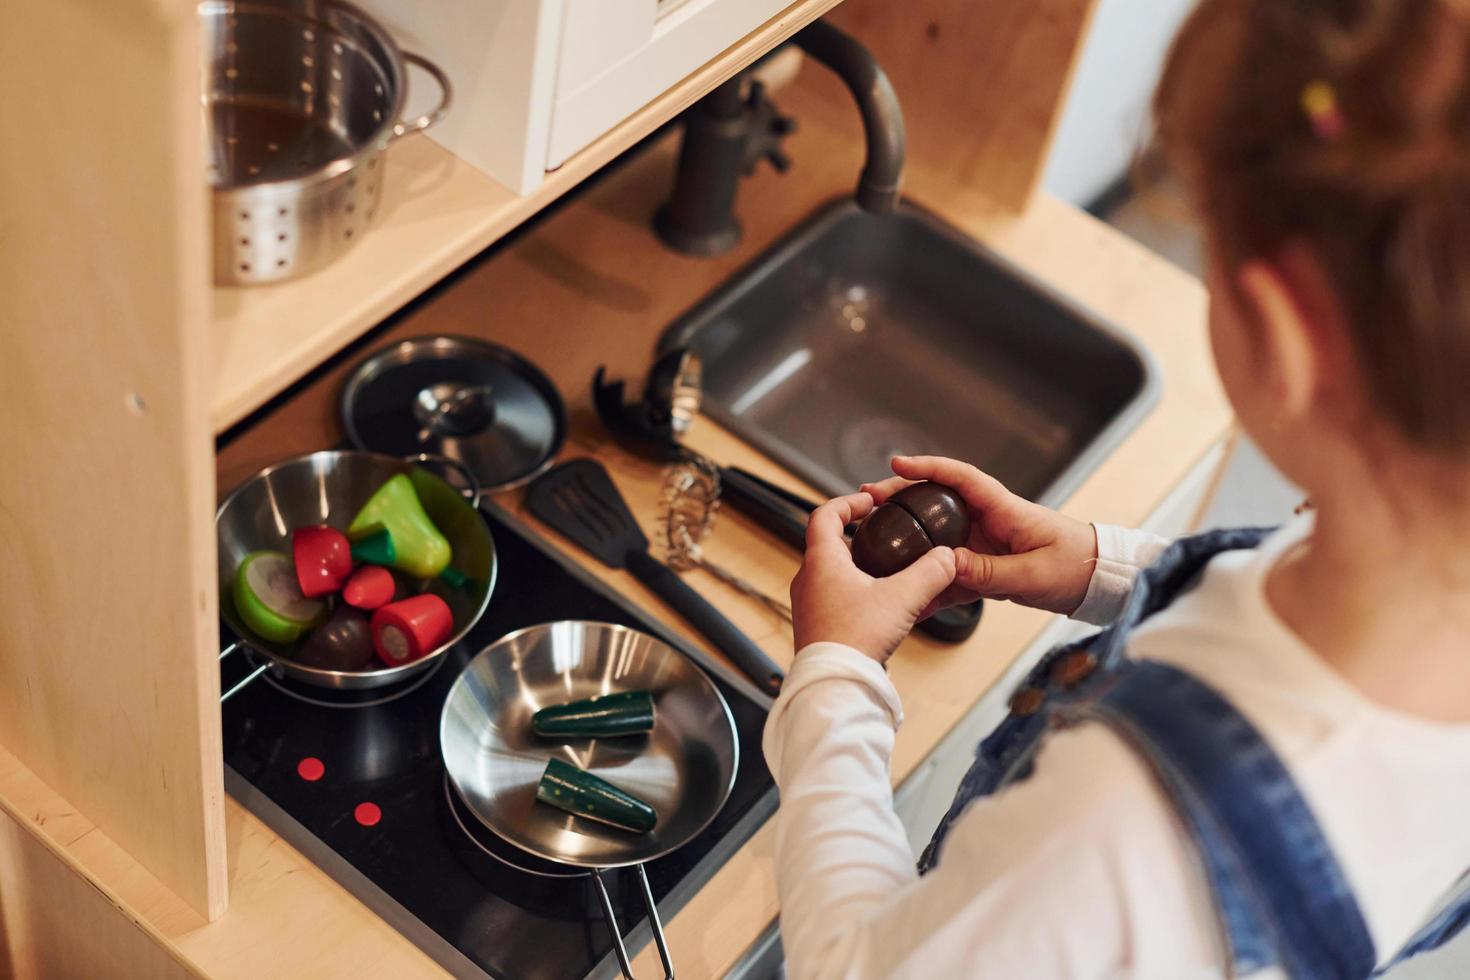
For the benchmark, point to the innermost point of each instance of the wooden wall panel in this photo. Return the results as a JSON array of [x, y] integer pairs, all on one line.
[[54, 924], [982, 83], [108, 625]]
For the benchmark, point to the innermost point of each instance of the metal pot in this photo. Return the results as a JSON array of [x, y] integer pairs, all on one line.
[[330, 488], [301, 99], [685, 768]]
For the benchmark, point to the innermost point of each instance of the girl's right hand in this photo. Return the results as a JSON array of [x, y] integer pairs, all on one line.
[[1017, 550]]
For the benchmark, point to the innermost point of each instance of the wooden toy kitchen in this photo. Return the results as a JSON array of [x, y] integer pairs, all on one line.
[[318, 469]]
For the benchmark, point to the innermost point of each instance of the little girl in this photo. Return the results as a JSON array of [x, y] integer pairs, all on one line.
[[1261, 767]]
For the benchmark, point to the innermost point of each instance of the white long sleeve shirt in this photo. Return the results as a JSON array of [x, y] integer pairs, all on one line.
[[1083, 870]]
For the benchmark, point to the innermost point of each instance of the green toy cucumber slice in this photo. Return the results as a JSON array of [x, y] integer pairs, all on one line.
[[582, 794], [268, 598], [624, 713]]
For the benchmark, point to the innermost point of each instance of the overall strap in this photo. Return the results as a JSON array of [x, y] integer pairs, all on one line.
[[1280, 893], [1448, 920], [1175, 571], [1076, 669]]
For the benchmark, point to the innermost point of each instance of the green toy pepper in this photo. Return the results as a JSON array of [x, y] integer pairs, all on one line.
[[375, 549], [418, 547]]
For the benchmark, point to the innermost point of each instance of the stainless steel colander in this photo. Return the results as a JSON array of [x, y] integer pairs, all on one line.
[[301, 99]]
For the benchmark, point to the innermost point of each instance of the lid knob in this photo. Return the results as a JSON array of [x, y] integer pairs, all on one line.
[[450, 408]]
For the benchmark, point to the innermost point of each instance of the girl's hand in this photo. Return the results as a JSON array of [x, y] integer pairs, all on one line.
[[832, 600], [1017, 550]]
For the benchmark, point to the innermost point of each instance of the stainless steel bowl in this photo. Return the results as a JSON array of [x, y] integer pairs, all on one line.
[[684, 769], [330, 488], [301, 99]]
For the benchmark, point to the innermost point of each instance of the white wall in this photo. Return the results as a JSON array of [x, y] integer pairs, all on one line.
[[1107, 110]]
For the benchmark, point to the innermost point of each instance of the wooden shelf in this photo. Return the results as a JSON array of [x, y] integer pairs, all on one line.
[[437, 212]]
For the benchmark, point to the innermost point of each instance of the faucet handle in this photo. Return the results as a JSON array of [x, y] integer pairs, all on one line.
[[766, 128]]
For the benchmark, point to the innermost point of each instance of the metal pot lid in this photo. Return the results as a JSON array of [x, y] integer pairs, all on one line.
[[473, 401]]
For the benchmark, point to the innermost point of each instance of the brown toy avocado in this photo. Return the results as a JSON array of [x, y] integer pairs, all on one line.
[[908, 525]]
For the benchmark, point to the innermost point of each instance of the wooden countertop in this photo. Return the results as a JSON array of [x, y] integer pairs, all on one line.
[[590, 285]]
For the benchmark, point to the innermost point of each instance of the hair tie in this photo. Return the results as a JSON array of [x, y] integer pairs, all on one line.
[[1319, 102]]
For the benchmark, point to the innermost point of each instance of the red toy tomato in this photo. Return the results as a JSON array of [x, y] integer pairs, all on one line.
[[323, 559], [369, 587], [409, 628]]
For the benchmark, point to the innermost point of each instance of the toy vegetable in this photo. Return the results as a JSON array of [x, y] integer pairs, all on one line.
[[375, 549], [419, 548], [578, 792], [369, 587], [409, 628], [269, 599], [343, 642], [907, 526], [624, 713], [323, 559]]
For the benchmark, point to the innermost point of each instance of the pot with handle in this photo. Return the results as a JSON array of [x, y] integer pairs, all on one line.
[[685, 768], [302, 100], [330, 488]]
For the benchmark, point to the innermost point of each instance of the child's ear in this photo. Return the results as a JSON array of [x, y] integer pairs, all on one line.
[[1300, 326]]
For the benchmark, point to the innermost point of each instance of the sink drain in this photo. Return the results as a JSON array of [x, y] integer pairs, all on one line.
[[865, 447]]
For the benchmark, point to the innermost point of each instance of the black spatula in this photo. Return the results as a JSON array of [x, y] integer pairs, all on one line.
[[580, 500]]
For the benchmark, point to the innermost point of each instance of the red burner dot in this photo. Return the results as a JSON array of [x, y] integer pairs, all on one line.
[[367, 814], [310, 769]]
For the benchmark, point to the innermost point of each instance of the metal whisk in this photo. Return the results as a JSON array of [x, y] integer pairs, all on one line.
[[690, 499]]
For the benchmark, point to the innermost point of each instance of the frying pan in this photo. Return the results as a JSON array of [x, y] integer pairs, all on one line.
[[685, 768], [330, 488]]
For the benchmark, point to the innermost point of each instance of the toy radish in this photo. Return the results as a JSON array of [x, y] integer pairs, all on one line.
[[369, 587], [323, 559], [410, 628]]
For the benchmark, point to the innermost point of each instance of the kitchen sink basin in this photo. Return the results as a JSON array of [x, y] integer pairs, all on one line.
[[863, 336]]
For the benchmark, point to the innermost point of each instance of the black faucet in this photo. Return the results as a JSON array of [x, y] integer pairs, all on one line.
[[725, 136]]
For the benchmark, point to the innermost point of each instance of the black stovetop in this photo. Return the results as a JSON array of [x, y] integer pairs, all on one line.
[[424, 865]]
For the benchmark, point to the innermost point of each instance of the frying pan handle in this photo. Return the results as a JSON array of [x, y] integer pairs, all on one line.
[[250, 677], [617, 932], [612, 925], [436, 459], [704, 617], [655, 924]]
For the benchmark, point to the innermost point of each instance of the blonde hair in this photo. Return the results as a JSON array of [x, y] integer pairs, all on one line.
[[1382, 197]]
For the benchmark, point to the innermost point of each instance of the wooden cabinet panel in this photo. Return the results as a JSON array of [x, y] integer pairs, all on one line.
[[56, 924], [982, 84], [108, 623]]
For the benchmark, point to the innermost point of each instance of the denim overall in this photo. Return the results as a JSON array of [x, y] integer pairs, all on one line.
[[1281, 897]]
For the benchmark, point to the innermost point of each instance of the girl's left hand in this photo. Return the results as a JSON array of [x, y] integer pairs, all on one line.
[[832, 600]]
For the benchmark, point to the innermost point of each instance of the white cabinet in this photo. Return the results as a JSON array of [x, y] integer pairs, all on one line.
[[618, 55], [537, 80]]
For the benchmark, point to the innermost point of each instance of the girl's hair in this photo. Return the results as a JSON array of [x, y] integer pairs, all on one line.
[[1381, 195]]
